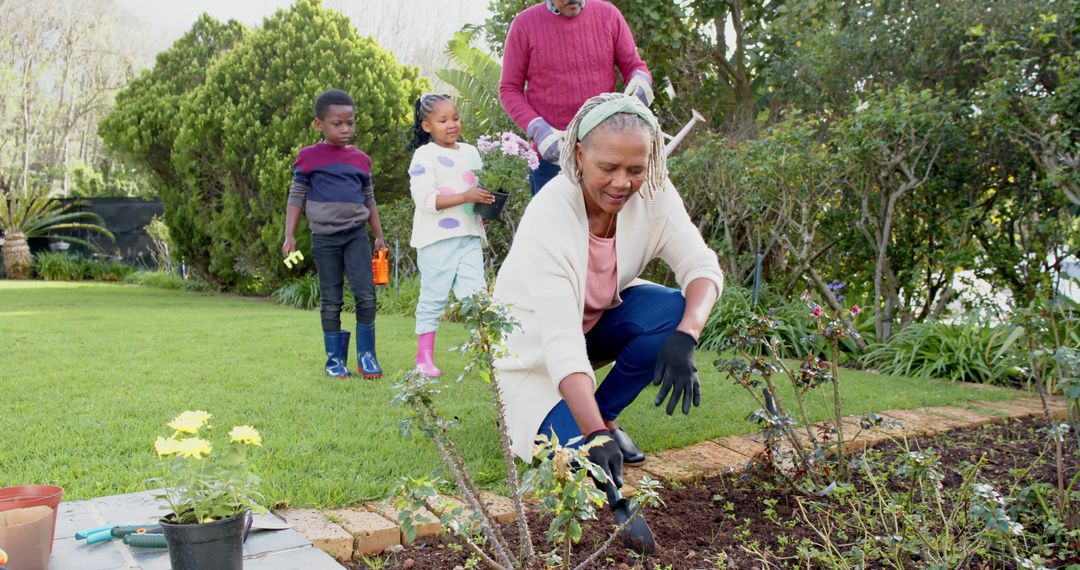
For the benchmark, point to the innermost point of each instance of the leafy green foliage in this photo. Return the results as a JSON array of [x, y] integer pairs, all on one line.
[[167, 280], [561, 479], [34, 214], [63, 266], [908, 511], [477, 84], [110, 179], [299, 293], [144, 126], [789, 322], [969, 352]]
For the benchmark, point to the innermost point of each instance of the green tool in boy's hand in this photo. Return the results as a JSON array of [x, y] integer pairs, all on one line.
[[294, 258]]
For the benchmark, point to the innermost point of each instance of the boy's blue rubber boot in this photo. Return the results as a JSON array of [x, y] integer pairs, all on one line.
[[337, 353], [368, 363], [344, 349]]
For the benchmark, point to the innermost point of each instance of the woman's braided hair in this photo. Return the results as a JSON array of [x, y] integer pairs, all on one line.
[[424, 105], [656, 168]]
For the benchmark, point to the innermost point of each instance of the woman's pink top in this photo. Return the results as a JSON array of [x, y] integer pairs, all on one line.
[[601, 280]]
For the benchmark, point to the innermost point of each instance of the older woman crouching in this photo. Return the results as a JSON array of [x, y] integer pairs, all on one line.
[[571, 279]]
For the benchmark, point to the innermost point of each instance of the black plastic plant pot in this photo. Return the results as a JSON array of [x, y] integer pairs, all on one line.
[[218, 544], [492, 211]]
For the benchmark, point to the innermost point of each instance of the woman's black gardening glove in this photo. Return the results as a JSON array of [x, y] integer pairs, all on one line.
[[608, 457], [676, 369]]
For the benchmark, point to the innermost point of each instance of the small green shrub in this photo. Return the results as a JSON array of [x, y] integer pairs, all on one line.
[[59, 266], [64, 266], [105, 270], [166, 280], [736, 307], [970, 352], [300, 293]]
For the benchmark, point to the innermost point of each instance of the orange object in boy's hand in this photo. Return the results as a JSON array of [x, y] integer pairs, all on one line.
[[3, 557], [380, 268]]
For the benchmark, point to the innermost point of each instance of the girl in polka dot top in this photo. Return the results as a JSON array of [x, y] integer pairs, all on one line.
[[446, 231]]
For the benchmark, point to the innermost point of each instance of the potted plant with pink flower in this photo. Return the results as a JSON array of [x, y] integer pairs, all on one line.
[[508, 159], [209, 491]]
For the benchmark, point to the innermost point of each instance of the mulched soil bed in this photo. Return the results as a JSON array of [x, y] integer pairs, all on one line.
[[704, 524]]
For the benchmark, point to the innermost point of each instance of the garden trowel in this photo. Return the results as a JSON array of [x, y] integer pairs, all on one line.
[[636, 535]]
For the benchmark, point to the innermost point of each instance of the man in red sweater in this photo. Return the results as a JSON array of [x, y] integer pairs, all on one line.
[[558, 54]]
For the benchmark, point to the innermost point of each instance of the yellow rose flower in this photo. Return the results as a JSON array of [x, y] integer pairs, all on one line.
[[190, 422], [245, 434], [193, 447], [166, 446]]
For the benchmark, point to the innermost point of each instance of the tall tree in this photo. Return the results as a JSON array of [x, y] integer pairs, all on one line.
[[240, 130], [60, 70], [143, 128]]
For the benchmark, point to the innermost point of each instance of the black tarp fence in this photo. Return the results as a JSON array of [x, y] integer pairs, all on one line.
[[126, 218]]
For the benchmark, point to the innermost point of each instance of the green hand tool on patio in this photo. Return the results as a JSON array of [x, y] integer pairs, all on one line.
[[145, 536]]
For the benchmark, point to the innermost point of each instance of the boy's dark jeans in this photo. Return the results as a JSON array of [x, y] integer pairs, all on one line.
[[346, 253]]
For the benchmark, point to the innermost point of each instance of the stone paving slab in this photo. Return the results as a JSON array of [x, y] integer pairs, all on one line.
[[500, 508], [741, 444], [693, 462], [1057, 406], [307, 558], [323, 534], [963, 417], [423, 529], [372, 533], [289, 548], [919, 423], [1012, 408]]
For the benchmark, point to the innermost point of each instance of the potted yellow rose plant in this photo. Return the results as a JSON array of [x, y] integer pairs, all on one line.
[[210, 492]]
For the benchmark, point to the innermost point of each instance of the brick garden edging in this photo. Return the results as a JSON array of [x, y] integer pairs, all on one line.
[[373, 528]]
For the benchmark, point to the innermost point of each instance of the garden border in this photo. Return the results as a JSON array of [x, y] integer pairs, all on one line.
[[372, 528]]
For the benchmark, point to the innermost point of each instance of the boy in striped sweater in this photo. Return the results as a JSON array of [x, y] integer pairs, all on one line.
[[332, 186]]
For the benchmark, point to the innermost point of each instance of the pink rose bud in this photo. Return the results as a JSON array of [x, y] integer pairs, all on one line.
[[817, 311]]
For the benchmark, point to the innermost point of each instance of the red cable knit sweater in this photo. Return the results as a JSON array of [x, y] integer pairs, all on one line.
[[553, 64]]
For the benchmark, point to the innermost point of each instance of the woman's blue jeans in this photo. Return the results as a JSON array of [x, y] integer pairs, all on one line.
[[632, 335]]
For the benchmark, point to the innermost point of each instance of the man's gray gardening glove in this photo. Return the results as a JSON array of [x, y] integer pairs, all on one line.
[[640, 86], [676, 372], [546, 138]]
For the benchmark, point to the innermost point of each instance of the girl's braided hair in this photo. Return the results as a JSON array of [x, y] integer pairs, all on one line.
[[424, 105], [656, 175]]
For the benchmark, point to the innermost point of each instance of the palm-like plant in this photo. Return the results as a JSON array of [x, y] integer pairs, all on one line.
[[477, 84], [34, 214]]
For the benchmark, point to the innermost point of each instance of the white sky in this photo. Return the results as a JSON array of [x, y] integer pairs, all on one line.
[[415, 30]]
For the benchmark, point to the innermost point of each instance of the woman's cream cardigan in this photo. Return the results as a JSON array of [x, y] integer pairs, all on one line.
[[543, 281]]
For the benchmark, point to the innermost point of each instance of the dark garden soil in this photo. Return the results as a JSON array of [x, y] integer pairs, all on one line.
[[720, 522]]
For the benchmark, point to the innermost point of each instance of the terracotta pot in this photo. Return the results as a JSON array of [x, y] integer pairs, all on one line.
[[32, 496]]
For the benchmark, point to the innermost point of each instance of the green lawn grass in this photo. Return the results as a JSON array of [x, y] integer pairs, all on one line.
[[90, 373]]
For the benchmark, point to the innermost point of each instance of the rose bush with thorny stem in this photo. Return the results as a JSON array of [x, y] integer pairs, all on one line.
[[758, 363], [558, 478]]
